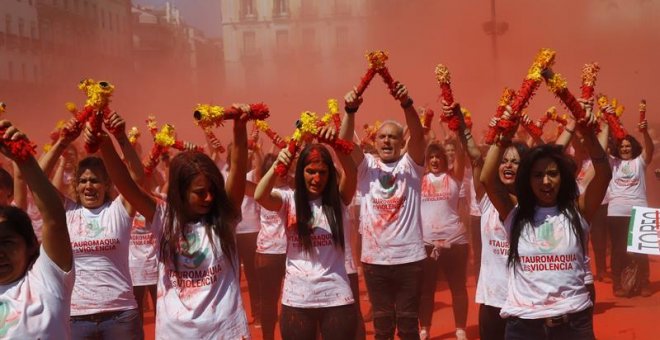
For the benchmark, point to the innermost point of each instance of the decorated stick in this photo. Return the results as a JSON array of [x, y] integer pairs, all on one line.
[[211, 115], [151, 125], [492, 132], [254, 136], [426, 117], [274, 137], [163, 140], [533, 129], [467, 117], [642, 111], [444, 79], [381, 57], [589, 72], [21, 148], [96, 109], [333, 114], [208, 132], [376, 61], [618, 131], [133, 135]]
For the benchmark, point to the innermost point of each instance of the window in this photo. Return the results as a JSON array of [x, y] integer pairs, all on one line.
[[342, 37], [247, 8], [8, 24], [307, 8], [282, 41], [280, 8], [249, 43], [21, 27]]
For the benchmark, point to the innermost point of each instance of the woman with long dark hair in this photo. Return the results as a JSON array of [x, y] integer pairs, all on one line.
[[198, 288], [628, 189], [316, 296], [548, 293]]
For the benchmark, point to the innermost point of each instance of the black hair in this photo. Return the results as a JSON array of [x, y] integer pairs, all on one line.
[[18, 222], [566, 197], [330, 199], [6, 181]]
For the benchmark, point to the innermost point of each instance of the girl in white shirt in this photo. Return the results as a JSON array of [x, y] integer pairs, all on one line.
[[316, 296], [445, 237], [628, 189], [198, 287], [35, 281], [547, 294]]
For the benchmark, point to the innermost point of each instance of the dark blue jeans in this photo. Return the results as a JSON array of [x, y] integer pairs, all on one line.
[[330, 322], [124, 325], [394, 291], [491, 324], [578, 326]]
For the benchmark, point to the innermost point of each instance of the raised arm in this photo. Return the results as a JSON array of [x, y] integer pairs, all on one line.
[[566, 135], [348, 182], [593, 195], [416, 144], [120, 177], [648, 147], [351, 105], [133, 163], [55, 235], [264, 194], [235, 184], [496, 190]]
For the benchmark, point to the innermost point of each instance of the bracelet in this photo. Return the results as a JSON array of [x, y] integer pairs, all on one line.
[[569, 130], [467, 136], [408, 103], [350, 110]]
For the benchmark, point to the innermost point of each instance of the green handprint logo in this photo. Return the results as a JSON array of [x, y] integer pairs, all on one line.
[[546, 239]]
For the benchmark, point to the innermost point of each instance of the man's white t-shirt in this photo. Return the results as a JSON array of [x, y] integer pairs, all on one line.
[[553, 271], [38, 305], [99, 240], [199, 298], [390, 218], [316, 279]]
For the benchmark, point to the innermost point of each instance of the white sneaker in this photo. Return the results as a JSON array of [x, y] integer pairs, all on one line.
[[423, 334], [460, 334]]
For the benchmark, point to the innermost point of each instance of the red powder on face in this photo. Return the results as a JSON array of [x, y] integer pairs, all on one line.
[[314, 156]]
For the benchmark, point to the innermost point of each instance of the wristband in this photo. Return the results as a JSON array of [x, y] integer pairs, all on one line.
[[408, 103], [569, 130]]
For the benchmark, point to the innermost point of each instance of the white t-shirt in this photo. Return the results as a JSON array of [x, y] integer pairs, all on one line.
[[580, 178], [250, 212], [390, 218], [439, 208], [143, 253], [552, 274], [201, 299], [272, 236], [627, 187], [37, 306], [318, 278], [469, 182], [99, 239], [492, 284]]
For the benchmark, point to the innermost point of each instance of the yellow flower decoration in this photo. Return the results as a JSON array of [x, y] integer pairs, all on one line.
[[377, 59], [98, 93], [466, 113], [619, 110], [71, 107], [166, 136], [3, 107], [442, 74], [333, 106], [261, 125], [557, 83], [133, 135], [47, 147], [207, 115], [544, 59], [589, 72], [602, 100], [60, 124], [507, 95], [308, 121]]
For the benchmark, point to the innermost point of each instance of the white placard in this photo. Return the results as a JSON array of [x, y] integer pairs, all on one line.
[[644, 231]]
